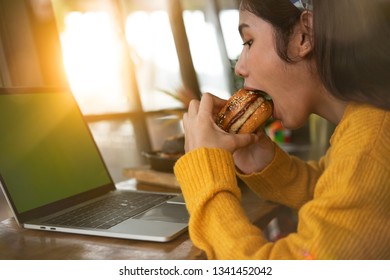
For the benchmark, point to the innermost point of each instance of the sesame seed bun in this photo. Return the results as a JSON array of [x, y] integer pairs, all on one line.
[[244, 112]]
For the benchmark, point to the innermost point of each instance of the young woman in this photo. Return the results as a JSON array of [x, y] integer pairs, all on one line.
[[327, 57]]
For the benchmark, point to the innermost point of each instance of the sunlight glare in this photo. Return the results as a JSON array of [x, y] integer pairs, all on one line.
[[93, 61]]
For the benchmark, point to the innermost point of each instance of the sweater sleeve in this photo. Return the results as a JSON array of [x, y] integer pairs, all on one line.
[[287, 180], [218, 224], [343, 200], [339, 223]]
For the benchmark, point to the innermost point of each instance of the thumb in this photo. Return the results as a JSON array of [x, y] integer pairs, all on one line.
[[243, 140]]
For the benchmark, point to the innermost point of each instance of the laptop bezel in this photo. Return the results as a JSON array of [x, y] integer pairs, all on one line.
[[62, 204]]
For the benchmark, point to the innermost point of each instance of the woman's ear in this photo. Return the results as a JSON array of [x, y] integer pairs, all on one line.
[[306, 34]]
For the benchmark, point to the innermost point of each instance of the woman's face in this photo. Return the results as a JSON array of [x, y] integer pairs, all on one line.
[[292, 86]]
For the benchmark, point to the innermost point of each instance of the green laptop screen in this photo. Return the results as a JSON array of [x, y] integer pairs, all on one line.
[[46, 150]]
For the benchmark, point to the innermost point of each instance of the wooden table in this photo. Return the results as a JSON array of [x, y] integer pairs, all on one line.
[[19, 243]]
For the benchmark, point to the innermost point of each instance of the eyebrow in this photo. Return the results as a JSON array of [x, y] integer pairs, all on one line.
[[241, 27]]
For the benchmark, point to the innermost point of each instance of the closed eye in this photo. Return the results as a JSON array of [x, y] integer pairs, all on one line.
[[248, 43]]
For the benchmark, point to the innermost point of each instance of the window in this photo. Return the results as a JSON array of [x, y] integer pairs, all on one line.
[[212, 28], [95, 56], [229, 24], [206, 54], [152, 46], [101, 49]]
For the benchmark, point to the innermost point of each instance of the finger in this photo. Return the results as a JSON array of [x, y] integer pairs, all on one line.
[[261, 134], [218, 103], [243, 140], [260, 131], [186, 132], [206, 103], [185, 120], [193, 108]]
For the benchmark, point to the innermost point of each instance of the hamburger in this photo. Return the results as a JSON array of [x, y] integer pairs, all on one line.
[[244, 112]]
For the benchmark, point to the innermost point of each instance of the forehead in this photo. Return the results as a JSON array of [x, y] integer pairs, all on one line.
[[250, 22], [246, 16]]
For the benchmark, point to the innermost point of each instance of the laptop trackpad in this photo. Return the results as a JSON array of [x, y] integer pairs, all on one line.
[[167, 212]]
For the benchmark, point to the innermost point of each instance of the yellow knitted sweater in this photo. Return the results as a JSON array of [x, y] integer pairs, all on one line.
[[343, 201]]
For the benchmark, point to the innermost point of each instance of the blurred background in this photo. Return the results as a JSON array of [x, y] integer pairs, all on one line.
[[133, 66]]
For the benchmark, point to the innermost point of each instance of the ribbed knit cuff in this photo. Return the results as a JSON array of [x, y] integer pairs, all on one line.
[[204, 172], [263, 182]]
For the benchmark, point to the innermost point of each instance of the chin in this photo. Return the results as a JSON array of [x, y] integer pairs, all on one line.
[[293, 124]]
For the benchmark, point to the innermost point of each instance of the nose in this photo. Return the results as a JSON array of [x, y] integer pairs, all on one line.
[[240, 68]]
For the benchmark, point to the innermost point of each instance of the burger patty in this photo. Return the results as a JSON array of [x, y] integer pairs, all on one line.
[[244, 114]]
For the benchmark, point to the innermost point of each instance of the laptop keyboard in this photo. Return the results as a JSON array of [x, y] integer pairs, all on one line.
[[110, 211]]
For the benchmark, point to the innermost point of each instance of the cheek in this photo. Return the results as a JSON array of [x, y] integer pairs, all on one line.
[[268, 70]]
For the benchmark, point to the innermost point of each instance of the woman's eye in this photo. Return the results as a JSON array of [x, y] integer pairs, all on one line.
[[248, 43]]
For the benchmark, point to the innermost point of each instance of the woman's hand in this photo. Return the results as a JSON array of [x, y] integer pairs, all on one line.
[[255, 157], [201, 130], [251, 152]]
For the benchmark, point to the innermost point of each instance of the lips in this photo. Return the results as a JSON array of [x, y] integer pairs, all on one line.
[[264, 93], [251, 89]]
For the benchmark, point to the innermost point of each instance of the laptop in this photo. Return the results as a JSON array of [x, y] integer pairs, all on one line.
[[52, 174]]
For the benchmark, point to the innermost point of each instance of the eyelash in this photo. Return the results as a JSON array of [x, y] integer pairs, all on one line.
[[248, 43]]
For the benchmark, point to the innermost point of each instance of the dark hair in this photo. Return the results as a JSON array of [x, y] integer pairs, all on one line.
[[351, 44], [281, 14], [352, 49]]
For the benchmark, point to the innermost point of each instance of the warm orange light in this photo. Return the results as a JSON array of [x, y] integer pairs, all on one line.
[[93, 61]]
